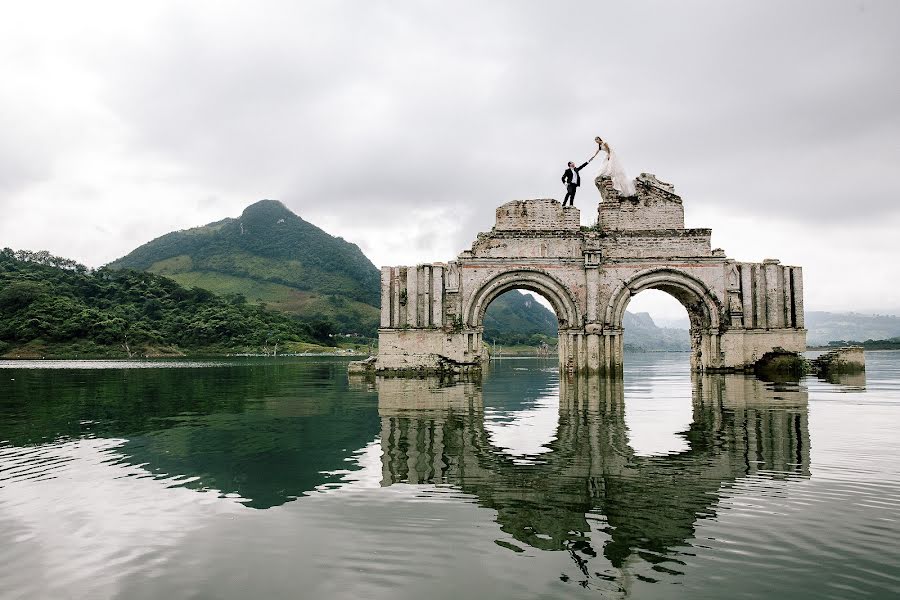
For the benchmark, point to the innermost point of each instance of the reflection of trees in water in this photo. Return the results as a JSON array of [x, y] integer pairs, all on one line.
[[268, 431], [650, 504]]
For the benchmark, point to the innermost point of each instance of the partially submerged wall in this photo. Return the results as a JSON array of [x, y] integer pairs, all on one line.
[[432, 314]]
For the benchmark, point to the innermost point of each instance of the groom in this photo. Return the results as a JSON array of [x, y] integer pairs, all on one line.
[[572, 180]]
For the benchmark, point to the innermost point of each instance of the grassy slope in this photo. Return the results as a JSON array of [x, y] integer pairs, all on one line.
[[279, 297], [273, 257]]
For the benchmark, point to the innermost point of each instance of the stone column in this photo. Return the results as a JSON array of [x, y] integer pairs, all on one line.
[[412, 296], [747, 295], [774, 297], [592, 278], [396, 273], [423, 301], [385, 297], [797, 289], [787, 306], [593, 353], [437, 296], [582, 352], [562, 339], [759, 301]]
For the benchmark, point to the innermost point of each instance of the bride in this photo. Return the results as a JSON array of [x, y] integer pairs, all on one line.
[[612, 168]]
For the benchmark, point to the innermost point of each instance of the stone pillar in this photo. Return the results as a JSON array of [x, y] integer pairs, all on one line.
[[607, 353], [412, 294], [786, 300], [582, 352], [562, 339], [759, 301], [747, 295], [386, 296], [437, 296], [774, 311], [592, 279], [396, 273], [797, 295], [593, 353], [423, 300]]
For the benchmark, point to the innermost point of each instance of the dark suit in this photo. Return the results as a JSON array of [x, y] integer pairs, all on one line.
[[572, 179]]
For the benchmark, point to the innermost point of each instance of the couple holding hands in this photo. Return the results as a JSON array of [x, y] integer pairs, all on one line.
[[610, 168]]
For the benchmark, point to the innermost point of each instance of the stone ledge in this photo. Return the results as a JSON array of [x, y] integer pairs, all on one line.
[[659, 233]]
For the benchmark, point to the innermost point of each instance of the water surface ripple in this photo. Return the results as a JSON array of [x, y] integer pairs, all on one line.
[[283, 478]]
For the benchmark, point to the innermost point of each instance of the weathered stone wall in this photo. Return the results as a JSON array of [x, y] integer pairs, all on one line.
[[432, 314], [665, 243], [505, 244], [539, 215], [413, 296], [656, 206]]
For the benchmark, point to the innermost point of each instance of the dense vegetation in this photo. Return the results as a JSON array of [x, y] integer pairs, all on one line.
[[517, 319], [51, 305], [270, 255]]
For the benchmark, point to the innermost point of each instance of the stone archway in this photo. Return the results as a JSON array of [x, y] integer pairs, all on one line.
[[703, 308], [554, 291], [431, 314]]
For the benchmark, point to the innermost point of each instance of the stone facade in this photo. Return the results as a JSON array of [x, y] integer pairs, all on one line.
[[432, 314]]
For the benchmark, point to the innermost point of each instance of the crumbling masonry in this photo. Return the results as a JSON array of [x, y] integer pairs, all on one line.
[[432, 314]]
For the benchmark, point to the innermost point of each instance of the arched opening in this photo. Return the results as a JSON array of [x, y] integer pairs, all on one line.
[[656, 322], [520, 323], [699, 303], [559, 298], [521, 390], [657, 383]]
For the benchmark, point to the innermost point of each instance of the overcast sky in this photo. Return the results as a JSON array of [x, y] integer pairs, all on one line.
[[402, 126]]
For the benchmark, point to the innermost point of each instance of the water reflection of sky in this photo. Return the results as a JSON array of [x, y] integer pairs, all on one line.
[[657, 407], [525, 431]]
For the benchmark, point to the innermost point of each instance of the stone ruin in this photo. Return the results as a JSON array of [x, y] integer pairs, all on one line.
[[432, 314]]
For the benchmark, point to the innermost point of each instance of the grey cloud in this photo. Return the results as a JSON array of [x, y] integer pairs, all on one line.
[[366, 109]]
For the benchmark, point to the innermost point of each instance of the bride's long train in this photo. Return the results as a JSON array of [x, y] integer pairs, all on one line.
[[612, 168]]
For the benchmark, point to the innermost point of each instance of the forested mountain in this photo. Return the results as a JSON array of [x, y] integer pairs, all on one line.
[[54, 306], [270, 255], [515, 318]]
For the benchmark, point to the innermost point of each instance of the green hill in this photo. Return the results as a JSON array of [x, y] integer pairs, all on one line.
[[270, 255], [51, 306], [515, 318]]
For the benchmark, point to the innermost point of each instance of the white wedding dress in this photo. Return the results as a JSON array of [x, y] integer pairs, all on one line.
[[612, 168]]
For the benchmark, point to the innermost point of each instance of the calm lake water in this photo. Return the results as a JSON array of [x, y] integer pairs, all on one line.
[[284, 479]]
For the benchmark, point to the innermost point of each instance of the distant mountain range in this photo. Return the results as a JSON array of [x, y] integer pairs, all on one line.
[[824, 327]]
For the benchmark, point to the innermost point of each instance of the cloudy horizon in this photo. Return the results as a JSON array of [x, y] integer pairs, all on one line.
[[401, 130]]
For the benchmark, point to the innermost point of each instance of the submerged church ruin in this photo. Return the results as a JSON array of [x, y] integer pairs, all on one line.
[[432, 314]]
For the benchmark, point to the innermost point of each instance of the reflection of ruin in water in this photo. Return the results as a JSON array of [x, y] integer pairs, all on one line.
[[741, 427]]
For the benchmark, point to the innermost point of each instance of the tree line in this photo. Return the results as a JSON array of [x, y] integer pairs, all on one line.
[[54, 301]]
